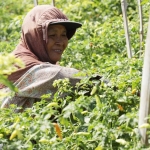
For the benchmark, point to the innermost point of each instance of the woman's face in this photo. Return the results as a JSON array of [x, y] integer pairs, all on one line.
[[57, 42]]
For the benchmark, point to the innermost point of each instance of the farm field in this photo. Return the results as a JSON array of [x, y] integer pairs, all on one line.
[[101, 112]]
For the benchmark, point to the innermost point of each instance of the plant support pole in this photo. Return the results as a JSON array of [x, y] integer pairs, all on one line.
[[35, 2], [53, 2], [124, 7], [144, 110], [141, 23]]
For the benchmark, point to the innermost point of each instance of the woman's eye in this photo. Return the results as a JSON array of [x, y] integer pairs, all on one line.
[[51, 35], [64, 35]]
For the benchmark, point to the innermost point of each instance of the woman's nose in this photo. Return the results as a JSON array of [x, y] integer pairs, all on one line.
[[59, 40]]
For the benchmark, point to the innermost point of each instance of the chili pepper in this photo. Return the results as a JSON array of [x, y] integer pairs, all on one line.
[[52, 104], [14, 134], [94, 89], [58, 130]]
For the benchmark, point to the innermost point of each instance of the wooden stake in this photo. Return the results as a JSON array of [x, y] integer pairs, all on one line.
[[53, 2], [124, 7], [35, 2], [141, 23], [144, 110]]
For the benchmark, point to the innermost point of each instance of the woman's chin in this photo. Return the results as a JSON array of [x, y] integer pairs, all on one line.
[[54, 61]]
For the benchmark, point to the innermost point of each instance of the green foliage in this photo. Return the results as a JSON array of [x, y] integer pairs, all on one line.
[[8, 64], [96, 114], [12, 13]]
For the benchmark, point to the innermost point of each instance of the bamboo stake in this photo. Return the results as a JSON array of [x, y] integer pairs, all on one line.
[[53, 2], [35, 2], [141, 23], [124, 7], [144, 110]]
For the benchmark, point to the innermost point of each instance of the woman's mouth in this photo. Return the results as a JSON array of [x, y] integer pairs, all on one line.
[[58, 51]]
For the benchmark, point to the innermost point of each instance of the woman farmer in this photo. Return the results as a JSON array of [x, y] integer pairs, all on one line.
[[45, 34]]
